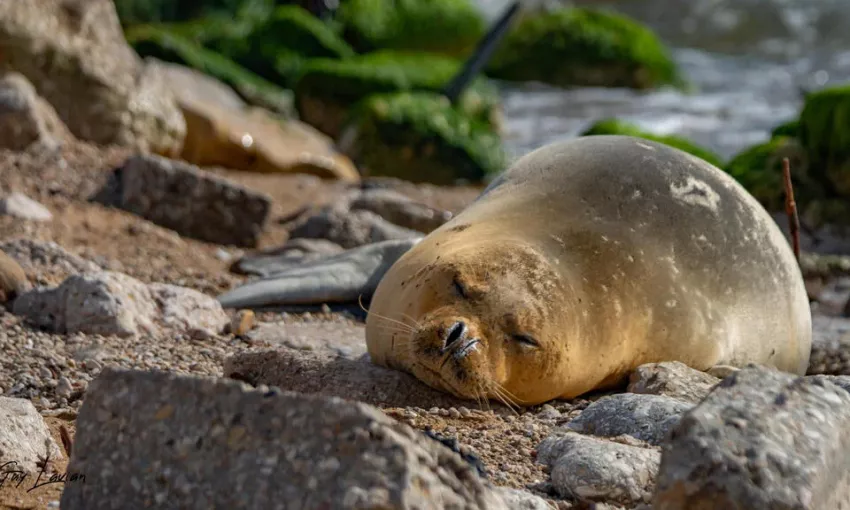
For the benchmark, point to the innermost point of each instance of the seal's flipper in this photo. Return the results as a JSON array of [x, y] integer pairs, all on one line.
[[343, 277]]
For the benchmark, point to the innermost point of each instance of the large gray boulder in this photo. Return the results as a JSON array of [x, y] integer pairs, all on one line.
[[158, 439], [763, 439]]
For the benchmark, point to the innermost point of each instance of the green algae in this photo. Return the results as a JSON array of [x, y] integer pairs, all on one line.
[[421, 137], [451, 27], [583, 47]]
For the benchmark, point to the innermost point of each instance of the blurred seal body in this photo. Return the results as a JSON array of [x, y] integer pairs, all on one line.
[[584, 260]]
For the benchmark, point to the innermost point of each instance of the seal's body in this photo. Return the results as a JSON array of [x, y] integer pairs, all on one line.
[[584, 260]]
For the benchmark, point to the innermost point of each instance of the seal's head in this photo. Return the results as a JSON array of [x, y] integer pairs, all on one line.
[[488, 322]]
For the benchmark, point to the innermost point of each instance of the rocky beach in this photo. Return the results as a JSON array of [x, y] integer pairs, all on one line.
[[151, 163]]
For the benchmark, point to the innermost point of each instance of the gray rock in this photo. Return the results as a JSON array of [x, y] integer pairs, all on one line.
[[276, 260], [645, 417], [589, 468], [842, 381], [26, 118], [340, 278], [185, 309], [400, 209], [350, 228], [192, 202], [45, 256], [324, 374], [673, 379], [763, 439], [830, 346], [154, 438], [517, 499], [109, 303], [75, 54], [21, 206], [24, 439]]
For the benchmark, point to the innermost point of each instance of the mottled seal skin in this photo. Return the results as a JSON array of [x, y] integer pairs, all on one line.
[[584, 260]]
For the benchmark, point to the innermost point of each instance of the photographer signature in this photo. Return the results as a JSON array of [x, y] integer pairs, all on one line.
[[15, 476]]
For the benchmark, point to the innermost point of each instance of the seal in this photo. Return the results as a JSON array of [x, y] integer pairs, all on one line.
[[583, 260]]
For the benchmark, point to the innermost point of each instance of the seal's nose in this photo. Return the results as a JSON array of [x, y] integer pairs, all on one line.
[[454, 334]]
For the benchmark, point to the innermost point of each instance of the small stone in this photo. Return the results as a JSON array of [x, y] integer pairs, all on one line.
[[547, 412], [23, 207], [645, 417], [673, 379], [599, 470], [64, 388], [350, 229], [242, 322], [200, 334], [454, 413]]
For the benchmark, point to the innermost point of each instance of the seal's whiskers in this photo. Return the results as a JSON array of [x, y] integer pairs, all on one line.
[[502, 395]]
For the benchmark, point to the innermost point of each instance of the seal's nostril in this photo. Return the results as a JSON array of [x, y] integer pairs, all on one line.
[[455, 333]]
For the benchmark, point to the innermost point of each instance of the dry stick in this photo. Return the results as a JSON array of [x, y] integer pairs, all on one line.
[[791, 208]]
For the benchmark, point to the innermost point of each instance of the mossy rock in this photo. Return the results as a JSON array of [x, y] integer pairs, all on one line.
[[274, 47], [421, 137], [451, 27], [583, 47], [153, 41], [618, 127], [790, 128], [136, 12], [759, 170], [824, 131], [328, 88]]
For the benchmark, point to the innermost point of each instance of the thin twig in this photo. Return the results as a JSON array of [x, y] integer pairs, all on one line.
[[791, 208]]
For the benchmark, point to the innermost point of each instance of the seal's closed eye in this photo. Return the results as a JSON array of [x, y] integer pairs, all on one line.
[[525, 340], [459, 289]]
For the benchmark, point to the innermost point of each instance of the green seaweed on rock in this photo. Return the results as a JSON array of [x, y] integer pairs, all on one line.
[[451, 27], [790, 128], [618, 127], [153, 41], [328, 88], [583, 47], [421, 137], [275, 47], [136, 12], [824, 131]]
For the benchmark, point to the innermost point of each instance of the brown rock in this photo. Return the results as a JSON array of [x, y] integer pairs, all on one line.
[[242, 323], [222, 132], [75, 54], [13, 280]]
